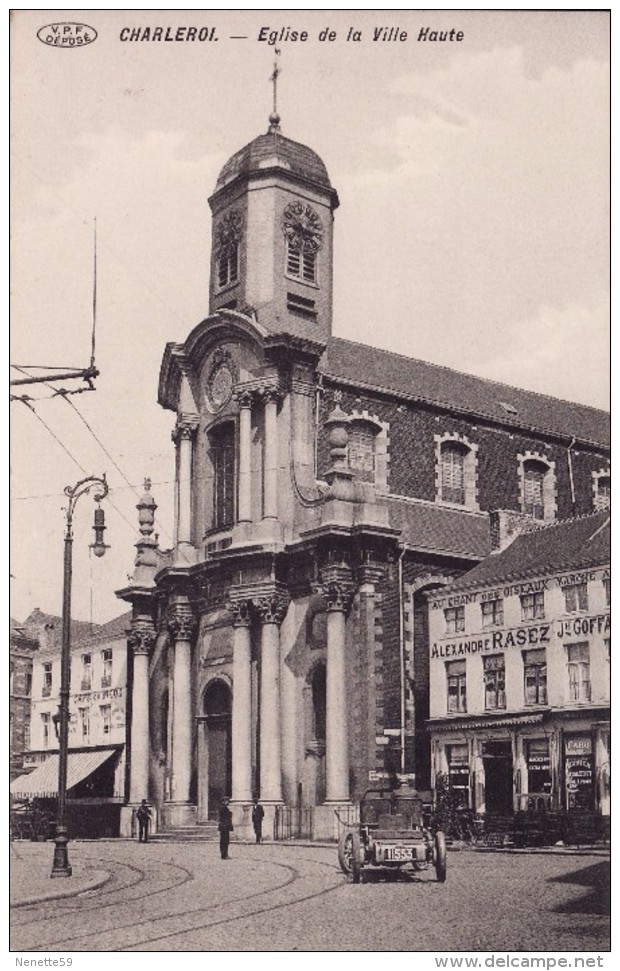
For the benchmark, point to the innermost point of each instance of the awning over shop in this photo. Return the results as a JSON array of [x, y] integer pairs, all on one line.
[[42, 783], [461, 724]]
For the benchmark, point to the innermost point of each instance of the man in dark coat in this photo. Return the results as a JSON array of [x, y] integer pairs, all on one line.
[[257, 820], [225, 826], [144, 819]]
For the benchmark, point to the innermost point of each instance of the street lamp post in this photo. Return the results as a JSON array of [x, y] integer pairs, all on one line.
[[60, 867]]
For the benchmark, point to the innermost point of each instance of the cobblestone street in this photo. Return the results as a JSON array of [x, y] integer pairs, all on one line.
[[182, 897]]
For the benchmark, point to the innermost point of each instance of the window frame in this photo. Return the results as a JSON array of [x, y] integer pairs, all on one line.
[[494, 675], [48, 679], [493, 617], [223, 506], [579, 686], [581, 599], [456, 678], [457, 617], [107, 662], [534, 600], [535, 661]]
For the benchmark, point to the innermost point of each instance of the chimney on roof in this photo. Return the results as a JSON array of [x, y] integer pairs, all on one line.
[[506, 525]]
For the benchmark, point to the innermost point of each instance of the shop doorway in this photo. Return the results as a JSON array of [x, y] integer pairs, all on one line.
[[217, 709], [497, 759]]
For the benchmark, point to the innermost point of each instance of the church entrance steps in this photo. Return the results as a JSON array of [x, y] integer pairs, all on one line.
[[201, 832]]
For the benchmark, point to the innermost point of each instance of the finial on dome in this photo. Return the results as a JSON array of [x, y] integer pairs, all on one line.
[[274, 117]]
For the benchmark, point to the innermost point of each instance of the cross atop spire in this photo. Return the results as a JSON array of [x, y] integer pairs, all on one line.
[[274, 117]]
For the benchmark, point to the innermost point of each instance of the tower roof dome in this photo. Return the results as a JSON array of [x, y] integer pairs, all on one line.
[[273, 150]]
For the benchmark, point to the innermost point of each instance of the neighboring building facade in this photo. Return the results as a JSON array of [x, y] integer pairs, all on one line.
[[22, 650], [520, 679], [97, 722], [323, 488]]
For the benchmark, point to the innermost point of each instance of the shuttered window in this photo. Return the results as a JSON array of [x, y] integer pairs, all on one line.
[[453, 473], [533, 494]]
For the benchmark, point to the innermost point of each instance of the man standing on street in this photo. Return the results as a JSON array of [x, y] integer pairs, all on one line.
[[225, 827], [257, 820], [144, 819]]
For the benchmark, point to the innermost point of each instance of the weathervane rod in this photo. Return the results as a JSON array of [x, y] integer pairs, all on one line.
[[274, 118]]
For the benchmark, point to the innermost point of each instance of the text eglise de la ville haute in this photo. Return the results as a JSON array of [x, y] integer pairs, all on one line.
[[283, 35]]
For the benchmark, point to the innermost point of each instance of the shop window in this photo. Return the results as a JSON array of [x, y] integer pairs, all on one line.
[[106, 668], [494, 681], [538, 770], [457, 686], [578, 772], [535, 677], [87, 672], [492, 613], [222, 452], [106, 719], [47, 679], [533, 606], [46, 722], [579, 686], [576, 597], [455, 619], [458, 775]]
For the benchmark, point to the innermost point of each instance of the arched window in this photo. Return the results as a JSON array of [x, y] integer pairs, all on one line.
[[300, 264], [533, 489], [453, 457], [222, 452], [228, 266]]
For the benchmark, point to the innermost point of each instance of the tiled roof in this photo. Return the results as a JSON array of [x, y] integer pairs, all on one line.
[[370, 367], [437, 529], [569, 544], [290, 155], [49, 626]]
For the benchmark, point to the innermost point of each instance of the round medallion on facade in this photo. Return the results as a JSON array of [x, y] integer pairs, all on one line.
[[220, 381]]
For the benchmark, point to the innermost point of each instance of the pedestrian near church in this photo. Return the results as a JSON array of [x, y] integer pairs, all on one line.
[[225, 827], [144, 821], [258, 814]]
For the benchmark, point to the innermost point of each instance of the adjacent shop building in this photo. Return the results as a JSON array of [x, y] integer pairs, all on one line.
[[519, 670]]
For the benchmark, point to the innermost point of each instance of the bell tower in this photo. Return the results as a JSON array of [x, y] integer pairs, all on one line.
[[272, 235]]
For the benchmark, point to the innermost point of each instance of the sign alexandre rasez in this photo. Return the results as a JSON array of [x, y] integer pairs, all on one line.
[[536, 635]]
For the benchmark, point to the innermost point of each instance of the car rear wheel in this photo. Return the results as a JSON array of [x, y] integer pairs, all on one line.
[[345, 851], [440, 857], [356, 858]]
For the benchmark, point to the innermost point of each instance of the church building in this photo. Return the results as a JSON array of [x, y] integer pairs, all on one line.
[[280, 649]]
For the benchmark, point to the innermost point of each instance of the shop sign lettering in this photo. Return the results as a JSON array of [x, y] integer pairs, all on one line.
[[584, 626], [580, 746], [99, 695], [499, 640], [572, 578]]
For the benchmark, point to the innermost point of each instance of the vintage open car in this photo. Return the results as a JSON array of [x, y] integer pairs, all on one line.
[[391, 835]]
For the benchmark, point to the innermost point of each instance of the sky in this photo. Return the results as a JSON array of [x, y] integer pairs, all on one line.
[[473, 228]]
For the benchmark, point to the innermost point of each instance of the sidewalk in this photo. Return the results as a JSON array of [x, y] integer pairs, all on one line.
[[31, 883]]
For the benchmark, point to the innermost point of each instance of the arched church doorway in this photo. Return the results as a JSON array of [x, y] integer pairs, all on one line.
[[217, 759]]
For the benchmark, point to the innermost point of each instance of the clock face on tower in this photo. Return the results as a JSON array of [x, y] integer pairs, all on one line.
[[303, 227]]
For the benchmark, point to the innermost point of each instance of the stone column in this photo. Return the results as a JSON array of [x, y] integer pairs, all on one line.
[[183, 436], [241, 704], [244, 506], [272, 609], [141, 639], [338, 596], [182, 624], [270, 456]]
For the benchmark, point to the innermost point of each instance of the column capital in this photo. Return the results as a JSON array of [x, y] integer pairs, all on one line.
[[244, 397], [241, 611], [185, 427], [141, 636], [271, 607], [338, 594], [270, 394], [181, 621]]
